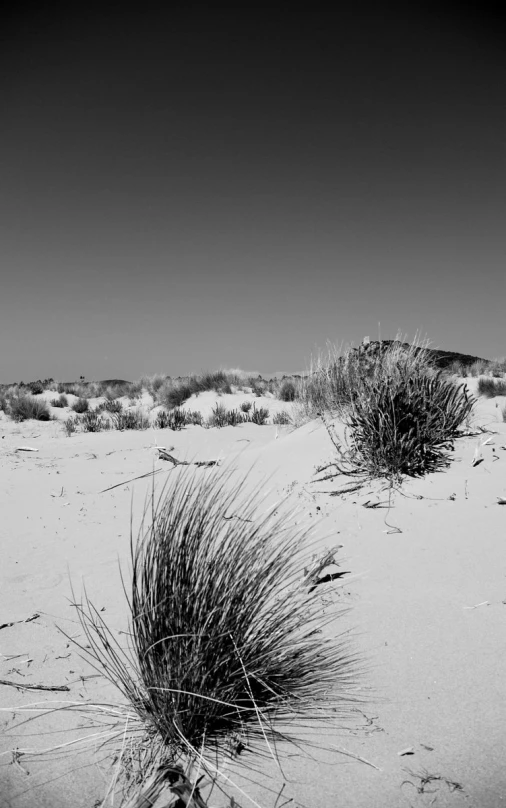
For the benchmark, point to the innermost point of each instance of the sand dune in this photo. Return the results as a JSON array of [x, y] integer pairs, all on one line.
[[427, 590]]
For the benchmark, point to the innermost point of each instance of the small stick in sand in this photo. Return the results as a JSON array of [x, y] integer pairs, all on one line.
[[483, 603], [21, 686], [26, 620]]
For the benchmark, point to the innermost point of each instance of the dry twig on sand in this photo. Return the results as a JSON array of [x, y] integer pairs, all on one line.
[[22, 686]]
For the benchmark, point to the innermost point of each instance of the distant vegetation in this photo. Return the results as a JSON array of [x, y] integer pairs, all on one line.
[[400, 401], [24, 407], [491, 387]]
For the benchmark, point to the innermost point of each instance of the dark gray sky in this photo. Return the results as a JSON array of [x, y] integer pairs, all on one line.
[[187, 190]]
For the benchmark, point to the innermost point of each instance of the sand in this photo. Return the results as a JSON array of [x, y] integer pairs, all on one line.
[[427, 592]]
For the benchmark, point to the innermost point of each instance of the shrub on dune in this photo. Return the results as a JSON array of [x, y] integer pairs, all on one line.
[[131, 419], [81, 405], [230, 651], [282, 418], [287, 391], [403, 427], [259, 416], [174, 419], [92, 421], [111, 405], [491, 387], [402, 415], [221, 417], [24, 407], [61, 401], [176, 394]]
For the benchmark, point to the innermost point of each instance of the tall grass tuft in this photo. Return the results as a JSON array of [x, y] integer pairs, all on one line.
[[490, 387], [259, 416], [221, 417], [131, 419], [92, 421], [282, 417], [407, 426], [287, 391], [230, 649], [81, 405], [24, 407], [401, 414], [174, 419], [61, 401]]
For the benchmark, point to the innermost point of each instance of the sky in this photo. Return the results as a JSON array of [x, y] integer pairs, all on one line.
[[186, 190]]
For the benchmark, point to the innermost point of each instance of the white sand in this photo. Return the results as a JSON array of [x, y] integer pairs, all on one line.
[[436, 676]]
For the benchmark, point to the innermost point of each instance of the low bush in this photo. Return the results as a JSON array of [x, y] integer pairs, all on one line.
[[81, 405], [282, 417], [217, 380], [194, 417], [490, 387], [477, 368], [406, 426], [24, 407], [259, 416], [110, 405], [61, 401], [221, 417], [176, 394], [175, 419], [36, 388], [92, 421], [287, 391], [70, 426], [132, 419], [246, 406]]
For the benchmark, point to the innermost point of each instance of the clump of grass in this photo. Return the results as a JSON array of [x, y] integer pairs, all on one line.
[[457, 368], [24, 407], [229, 649], [402, 415], [81, 405], [246, 406], [477, 368], [70, 426], [282, 417], [259, 416], [176, 394], [287, 391], [258, 386], [404, 427], [194, 417], [36, 388], [92, 421], [110, 405], [175, 419], [216, 380], [62, 401], [131, 419], [335, 378], [490, 387], [221, 417]]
